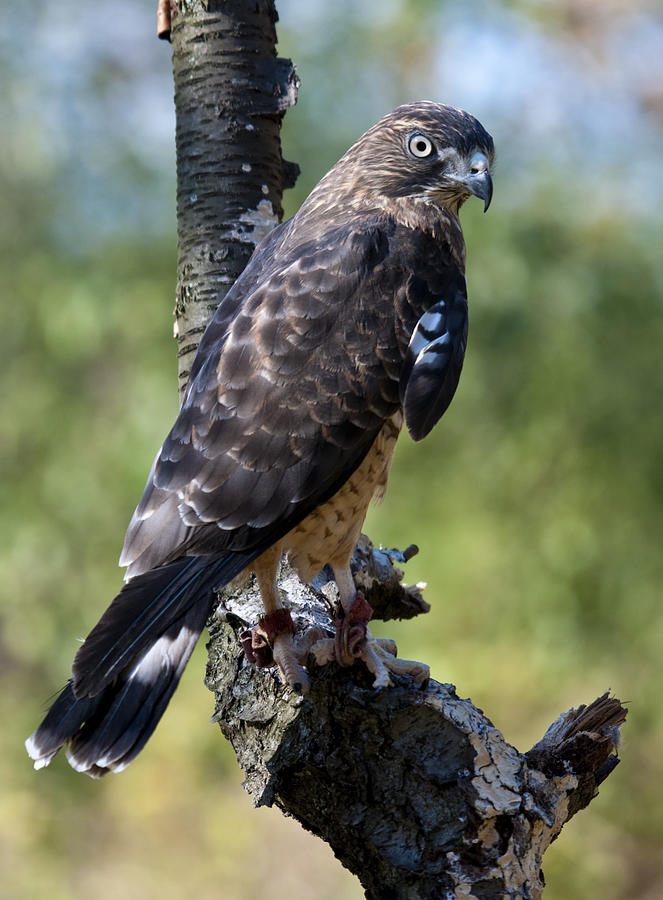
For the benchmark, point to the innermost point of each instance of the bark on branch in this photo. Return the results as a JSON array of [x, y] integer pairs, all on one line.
[[414, 789]]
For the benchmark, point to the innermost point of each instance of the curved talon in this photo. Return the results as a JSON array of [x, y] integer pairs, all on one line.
[[375, 664], [271, 642], [287, 657], [353, 641], [387, 644], [380, 658]]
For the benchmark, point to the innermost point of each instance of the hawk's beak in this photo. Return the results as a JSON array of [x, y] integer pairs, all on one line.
[[482, 187], [477, 179]]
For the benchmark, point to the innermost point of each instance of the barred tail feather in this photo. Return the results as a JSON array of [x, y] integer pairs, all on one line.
[[145, 608], [64, 718], [128, 668]]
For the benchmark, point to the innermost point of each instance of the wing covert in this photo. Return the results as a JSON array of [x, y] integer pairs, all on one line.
[[433, 364], [282, 404], [308, 354]]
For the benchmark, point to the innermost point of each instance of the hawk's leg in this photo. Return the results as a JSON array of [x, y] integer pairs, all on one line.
[[353, 640], [276, 628]]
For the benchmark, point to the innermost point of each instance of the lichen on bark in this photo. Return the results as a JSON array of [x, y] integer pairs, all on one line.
[[414, 789]]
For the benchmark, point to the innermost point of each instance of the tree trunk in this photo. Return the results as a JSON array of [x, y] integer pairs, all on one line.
[[231, 92], [414, 789]]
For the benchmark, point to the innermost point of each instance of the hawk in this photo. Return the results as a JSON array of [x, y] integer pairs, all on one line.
[[349, 321]]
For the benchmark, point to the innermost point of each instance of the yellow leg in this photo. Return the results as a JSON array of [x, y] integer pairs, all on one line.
[[378, 654], [286, 655], [266, 568]]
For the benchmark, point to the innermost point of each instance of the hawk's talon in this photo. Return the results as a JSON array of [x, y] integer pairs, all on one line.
[[379, 657], [353, 641], [288, 657], [271, 643], [388, 644], [258, 642]]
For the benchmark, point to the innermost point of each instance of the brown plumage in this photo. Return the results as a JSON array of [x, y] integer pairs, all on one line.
[[349, 319]]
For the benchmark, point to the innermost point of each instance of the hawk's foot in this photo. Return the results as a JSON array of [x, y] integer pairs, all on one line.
[[272, 642], [354, 641]]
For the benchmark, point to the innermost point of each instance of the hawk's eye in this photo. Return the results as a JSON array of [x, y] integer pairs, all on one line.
[[419, 145]]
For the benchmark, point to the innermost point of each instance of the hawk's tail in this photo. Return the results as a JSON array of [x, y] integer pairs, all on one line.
[[127, 669]]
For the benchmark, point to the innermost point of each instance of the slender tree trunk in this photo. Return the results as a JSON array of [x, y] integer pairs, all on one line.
[[231, 91], [414, 789]]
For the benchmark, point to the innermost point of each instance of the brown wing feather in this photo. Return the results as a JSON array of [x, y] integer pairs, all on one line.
[[293, 380]]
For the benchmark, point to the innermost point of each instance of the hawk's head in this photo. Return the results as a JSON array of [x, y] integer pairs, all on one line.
[[423, 150]]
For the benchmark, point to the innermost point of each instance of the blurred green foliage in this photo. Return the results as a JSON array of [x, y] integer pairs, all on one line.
[[537, 503]]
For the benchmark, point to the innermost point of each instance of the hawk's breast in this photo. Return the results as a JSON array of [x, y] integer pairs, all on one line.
[[331, 531]]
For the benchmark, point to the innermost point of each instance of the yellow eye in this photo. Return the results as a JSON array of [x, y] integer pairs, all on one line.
[[419, 145]]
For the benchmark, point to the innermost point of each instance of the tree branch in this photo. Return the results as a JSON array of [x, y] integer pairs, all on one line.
[[415, 790]]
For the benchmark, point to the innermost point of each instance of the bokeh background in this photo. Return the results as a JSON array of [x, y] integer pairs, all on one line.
[[537, 504]]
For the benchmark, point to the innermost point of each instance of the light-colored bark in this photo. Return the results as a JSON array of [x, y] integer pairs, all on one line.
[[415, 790]]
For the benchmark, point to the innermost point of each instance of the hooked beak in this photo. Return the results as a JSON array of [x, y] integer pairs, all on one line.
[[482, 187], [477, 179]]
